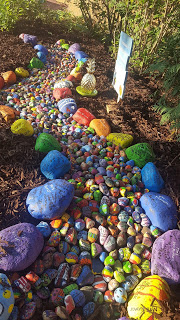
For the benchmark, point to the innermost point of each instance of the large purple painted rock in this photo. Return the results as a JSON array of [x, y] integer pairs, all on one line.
[[160, 209], [152, 178], [22, 243], [74, 47], [165, 260], [50, 200]]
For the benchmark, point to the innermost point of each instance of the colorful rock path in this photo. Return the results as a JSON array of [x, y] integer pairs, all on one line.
[[99, 247]]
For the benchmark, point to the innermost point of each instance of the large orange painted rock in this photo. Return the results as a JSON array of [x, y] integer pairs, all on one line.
[[146, 301], [101, 126], [7, 113], [9, 77], [83, 116]]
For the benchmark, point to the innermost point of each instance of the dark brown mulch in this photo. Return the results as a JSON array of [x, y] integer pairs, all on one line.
[[19, 163]]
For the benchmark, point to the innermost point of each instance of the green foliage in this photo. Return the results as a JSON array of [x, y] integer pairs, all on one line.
[[11, 11], [167, 68]]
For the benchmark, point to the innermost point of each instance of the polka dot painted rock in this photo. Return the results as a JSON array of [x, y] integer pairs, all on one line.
[[122, 139], [160, 209], [55, 165], [120, 295], [57, 296], [45, 142], [27, 243], [6, 297], [40, 199], [151, 293], [101, 127]]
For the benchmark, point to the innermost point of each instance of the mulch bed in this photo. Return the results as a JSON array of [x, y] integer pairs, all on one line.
[[19, 162]]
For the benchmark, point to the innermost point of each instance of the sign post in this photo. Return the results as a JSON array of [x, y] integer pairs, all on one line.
[[121, 66]]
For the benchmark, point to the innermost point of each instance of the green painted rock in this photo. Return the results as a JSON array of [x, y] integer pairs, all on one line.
[[141, 153], [46, 142], [35, 63], [65, 46], [122, 139]]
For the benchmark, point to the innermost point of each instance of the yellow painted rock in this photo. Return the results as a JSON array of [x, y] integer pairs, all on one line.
[[101, 127], [122, 139], [22, 126], [21, 72], [143, 303]]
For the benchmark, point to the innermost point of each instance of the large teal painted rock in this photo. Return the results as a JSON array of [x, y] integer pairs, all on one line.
[[160, 209], [45, 142], [55, 165], [152, 178], [50, 201], [141, 153]]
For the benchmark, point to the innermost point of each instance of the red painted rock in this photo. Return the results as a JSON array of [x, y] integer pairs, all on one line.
[[61, 93], [83, 116]]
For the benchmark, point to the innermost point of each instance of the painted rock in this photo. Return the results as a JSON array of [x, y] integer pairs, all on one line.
[[64, 247], [44, 228], [41, 56], [7, 113], [160, 209], [50, 200], [49, 315], [88, 293], [62, 277], [80, 55], [149, 295], [7, 297], [101, 127], [152, 178], [109, 296], [61, 93], [130, 283], [28, 38], [109, 261], [85, 258], [43, 293], [83, 116], [122, 139], [78, 297], [61, 312], [69, 303], [41, 48], [107, 273], [72, 258], [98, 297], [55, 165], [2, 83], [71, 236], [103, 234], [113, 284], [9, 77], [21, 72], [67, 105], [165, 260], [63, 84], [45, 142], [110, 243], [28, 310], [99, 283], [57, 296], [119, 276], [141, 153], [96, 249], [93, 234], [86, 277], [54, 239], [22, 126], [97, 266], [22, 243], [124, 254], [35, 63], [74, 47], [120, 295], [67, 290], [88, 309]]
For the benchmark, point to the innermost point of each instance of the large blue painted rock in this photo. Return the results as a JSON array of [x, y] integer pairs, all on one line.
[[55, 165], [160, 209], [22, 243], [50, 200], [141, 153], [41, 48], [80, 55], [152, 178], [165, 260], [67, 105], [6, 297]]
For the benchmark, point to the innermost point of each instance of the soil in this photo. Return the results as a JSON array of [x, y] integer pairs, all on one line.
[[19, 162]]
